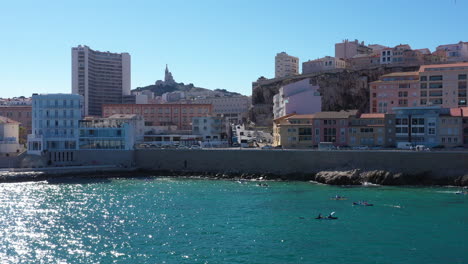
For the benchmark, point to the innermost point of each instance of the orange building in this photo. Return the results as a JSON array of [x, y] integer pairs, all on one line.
[[179, 115]]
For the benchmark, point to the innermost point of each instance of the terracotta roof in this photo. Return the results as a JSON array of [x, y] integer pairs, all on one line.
[[460, 111], [282, 117], [5, 120], [375, 115], [301, 117], [460, 64], [332, 115]]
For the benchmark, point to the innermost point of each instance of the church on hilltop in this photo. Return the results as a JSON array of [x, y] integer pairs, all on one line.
[[168, 79]]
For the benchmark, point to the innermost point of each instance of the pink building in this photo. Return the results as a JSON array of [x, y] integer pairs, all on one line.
[[398, 89], [300, 97], [332, 127]]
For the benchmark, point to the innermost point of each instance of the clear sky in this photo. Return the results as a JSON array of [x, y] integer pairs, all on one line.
[[213, 44]]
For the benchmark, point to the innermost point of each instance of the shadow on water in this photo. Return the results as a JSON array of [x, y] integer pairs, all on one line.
[[77, 180]]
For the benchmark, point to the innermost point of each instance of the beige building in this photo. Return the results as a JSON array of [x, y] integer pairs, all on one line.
[[323, 64], [286, 65], [9, 136], [293, 131], [232, 108], [348, 49], [443, 85]]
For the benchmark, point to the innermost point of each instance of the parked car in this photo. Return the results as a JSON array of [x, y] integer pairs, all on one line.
[[236, 145], [267, 147], [195, 147], [361, 148]]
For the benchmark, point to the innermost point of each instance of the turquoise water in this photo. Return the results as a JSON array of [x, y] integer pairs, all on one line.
[[166, 220]]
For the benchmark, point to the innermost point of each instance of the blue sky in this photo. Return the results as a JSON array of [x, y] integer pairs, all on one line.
[[213, 44]]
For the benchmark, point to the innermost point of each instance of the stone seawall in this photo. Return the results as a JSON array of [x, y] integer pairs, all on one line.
[[332, 167]]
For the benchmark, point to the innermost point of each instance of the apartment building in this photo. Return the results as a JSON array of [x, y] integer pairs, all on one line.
[[301, 97], [306, 131], [367, 130], [348, 49], [293, 131], [100, 77], [233, 109], [323, 64], [399, 89], [209, 128], [429, 126], [444, 85], [179, 115], [286, 65], [55, 123], [457, 52]]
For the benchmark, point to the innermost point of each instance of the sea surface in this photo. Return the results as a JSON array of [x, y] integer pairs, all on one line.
[[169, 220]]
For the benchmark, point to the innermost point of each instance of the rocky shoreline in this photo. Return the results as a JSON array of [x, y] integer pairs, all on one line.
[[331, 177]]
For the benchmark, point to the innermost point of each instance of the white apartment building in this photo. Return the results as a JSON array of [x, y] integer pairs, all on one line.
[[323, 64], [455, 52], [100, 77], [234, 109], [286, 65], [54, 122], [209, 128]]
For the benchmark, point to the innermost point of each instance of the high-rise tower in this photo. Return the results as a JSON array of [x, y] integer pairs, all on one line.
[[100, 77]]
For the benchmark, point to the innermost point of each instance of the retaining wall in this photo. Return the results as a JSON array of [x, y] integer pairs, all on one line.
[[441, 164]]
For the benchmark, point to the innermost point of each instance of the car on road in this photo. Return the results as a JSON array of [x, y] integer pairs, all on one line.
[[195, 147], [267, 147]]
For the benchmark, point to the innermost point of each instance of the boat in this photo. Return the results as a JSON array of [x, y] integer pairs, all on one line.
[[363, 203], [461, 192]]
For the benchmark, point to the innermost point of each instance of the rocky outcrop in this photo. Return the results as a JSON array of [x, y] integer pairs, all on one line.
[[341, 90]]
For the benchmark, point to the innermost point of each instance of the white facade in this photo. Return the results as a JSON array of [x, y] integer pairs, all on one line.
[[299, 97], [100, 77], [209, 128], [9, 134], [54, 122], [286, 65]]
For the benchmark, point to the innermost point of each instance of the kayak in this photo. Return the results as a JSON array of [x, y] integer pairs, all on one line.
[[363, 204], [326, 218]]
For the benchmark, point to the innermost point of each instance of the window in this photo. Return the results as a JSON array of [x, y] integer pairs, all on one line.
[[423, 93], [423, 78], [462, 77], [423, 85], [435, 78], [435, 86], [329, 134]]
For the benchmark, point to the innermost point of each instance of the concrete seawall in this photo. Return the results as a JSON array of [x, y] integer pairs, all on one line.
[[290, 161], [331, 167]]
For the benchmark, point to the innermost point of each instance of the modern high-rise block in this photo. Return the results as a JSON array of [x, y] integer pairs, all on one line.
[[286, 65], [100, 77]]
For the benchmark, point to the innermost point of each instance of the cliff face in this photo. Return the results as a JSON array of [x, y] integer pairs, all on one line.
[[340, 90]]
